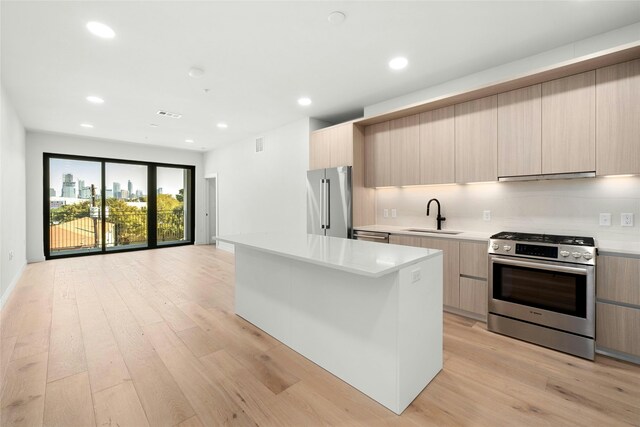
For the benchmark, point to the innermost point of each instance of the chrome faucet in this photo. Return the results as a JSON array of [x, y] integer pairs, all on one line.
[[439, 218]]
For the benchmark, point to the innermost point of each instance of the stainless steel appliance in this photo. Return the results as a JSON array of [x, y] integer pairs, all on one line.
[[371, 236], [542, 290], [329, 202]]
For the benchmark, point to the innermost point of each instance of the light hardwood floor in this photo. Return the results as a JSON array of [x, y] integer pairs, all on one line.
[[150, 339]]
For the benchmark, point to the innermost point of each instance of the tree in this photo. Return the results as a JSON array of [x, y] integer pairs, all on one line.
[[180, 195]]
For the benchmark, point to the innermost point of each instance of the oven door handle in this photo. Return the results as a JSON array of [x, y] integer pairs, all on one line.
[[540, 266]]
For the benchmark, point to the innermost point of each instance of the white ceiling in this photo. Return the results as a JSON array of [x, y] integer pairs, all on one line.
[[259, 57]]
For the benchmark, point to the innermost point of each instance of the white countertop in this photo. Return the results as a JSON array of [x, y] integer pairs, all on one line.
[[353, 256], [612, 247], [394, 229]]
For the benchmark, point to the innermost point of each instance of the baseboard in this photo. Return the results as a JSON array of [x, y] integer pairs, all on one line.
[[12, 285]]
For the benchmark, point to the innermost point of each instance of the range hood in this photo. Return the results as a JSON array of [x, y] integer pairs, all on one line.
[[547, 176]]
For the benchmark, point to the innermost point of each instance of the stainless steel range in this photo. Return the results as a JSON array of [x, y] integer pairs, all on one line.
[[542, 290]]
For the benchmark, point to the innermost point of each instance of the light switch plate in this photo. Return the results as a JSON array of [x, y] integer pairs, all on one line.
[[486, 215], [394, 213], [415, 276], [626, 219], [385, 213], [605, 219]]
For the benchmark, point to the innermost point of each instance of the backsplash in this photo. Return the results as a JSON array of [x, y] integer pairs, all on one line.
[[569, 206]]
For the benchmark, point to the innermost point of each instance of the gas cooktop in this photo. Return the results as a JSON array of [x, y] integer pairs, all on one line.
[[545, 238]]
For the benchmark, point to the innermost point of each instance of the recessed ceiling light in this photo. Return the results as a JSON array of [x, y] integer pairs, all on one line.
[[304, 101], [86, 125], [398, 63], [95, 99], [336, 17], [196, 72], [189, 141], [222, 125], [101, 30]]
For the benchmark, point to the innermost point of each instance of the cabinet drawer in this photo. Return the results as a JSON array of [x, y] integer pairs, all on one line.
[[473, 259], [618, 328], [473, 295], [618, 279]]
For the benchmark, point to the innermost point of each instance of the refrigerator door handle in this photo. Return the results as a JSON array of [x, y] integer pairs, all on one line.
[[327, 205], [322, 202]]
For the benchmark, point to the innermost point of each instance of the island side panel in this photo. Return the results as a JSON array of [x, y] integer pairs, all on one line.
[[347, 324], [419, 328], [263, 291]]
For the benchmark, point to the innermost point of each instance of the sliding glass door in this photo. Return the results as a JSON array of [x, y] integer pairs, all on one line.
[[95, 205]]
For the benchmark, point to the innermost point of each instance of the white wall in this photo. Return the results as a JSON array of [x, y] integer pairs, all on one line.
[[263, 191], [611, 39], [12, 197], [554, 207], [39, 143]]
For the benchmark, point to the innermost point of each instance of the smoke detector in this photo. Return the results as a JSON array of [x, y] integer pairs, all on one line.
[[169, 114]]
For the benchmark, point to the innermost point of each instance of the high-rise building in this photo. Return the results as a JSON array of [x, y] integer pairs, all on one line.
[[109, 193], [159, 190], [130, 187], [116, 190], [124, 194], [139, 193], [68, 186], [80, 185], [52, 192]]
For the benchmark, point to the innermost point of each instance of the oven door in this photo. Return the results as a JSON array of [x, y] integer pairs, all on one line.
[[553, 294]]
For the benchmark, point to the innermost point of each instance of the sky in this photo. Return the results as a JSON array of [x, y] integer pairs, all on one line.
[[169, 179]]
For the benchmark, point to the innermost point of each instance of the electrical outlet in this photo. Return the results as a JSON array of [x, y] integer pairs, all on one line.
[[11, 254], [605, 219], [394, 213], [385, 213], [626, 219], [486, 215], [415, 276]]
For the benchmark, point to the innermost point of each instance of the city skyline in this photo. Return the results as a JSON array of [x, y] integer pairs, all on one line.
[[89, 172]]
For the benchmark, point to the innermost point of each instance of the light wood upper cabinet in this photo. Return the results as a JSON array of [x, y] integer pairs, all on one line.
[[476, 136], [520, 132], [437, 143], [331, 147], [377, 155], [618, 119], [404, 137], [568, 124]]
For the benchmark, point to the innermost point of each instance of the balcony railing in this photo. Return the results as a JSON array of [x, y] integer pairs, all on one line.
[[83, 233]]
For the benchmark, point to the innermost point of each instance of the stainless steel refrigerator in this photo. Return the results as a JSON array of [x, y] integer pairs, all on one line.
[[329, 202]]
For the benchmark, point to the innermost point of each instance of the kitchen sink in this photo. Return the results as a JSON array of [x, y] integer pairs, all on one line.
[[426, 230]]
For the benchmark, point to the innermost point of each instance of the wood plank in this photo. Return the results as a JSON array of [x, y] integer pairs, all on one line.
[[31, 344], [191, 422], [6, 351], [198, 341], [119, 406], [68, 402], [22, 398], [161, 397]]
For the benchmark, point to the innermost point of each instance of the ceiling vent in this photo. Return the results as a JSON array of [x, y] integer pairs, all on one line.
[[169, 114], [259, 144]]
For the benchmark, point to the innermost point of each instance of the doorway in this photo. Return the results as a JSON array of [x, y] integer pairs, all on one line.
[[211, 215]]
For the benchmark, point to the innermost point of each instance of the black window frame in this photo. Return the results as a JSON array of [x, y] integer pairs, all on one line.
[[152, 210]]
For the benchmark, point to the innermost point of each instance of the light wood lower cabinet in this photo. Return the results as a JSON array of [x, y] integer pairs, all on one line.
[[618, 279], [473, 295], [618, 328], [451, 263], [474, 259]]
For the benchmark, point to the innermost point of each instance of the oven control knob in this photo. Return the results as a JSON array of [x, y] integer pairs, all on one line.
[[565, 253], [587, 255], [507, 248], [576, 255], [495, 246]]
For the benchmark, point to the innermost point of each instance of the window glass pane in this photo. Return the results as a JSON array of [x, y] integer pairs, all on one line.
[[174, 223], [74, 206], [126, 205]]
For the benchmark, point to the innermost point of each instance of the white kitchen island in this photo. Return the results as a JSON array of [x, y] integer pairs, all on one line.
[[369, 313]]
